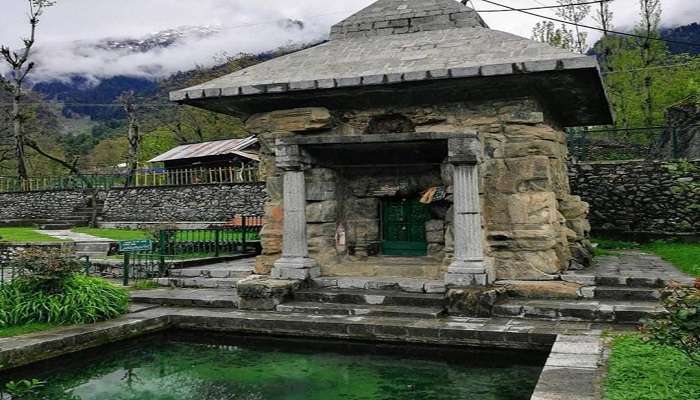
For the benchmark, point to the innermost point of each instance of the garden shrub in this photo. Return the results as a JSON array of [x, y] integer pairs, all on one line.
[[46, 268], [49, 289], [680, 327]]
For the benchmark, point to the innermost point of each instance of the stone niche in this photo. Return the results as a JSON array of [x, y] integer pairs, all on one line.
[[533, 228]]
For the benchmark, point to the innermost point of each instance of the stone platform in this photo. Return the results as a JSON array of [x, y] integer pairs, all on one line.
[[223, 275]]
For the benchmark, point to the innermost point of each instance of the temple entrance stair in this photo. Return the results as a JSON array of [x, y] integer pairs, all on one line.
[[623, 288], [364, 302], [426, 268], [215, 276]]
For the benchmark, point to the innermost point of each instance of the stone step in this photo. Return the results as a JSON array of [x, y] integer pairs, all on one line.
[[93, 246], [370, 297], [57, 226], [240, 272], [361, 310], [207, 298], [409, 285], [624, 312], [626, 293], [203, 283], [631, 281], [91, 254], [398, 267]]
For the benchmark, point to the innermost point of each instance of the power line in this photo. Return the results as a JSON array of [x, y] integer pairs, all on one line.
[[592, 27], [545, 7]]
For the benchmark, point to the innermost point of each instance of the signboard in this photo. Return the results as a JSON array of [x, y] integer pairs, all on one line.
[[134, 246]]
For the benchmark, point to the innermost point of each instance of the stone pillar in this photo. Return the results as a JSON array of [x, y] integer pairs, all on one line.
[[468, 267], [295, 262]]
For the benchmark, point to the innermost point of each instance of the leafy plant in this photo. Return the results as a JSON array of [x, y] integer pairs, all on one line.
[[81, 300], [24, 389], [145, 284], [680, 327], [46, 268]]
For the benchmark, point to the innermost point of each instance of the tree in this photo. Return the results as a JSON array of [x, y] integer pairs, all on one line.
[[575, 13], [652, 51], [604, 17], [547, 32], [20, 67], [128, 100]]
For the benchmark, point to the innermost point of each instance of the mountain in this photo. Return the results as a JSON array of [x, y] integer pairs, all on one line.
[[160, 39], [81, 97], [688, 33]]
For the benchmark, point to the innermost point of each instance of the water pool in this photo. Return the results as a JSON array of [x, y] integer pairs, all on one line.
[[186, 366]]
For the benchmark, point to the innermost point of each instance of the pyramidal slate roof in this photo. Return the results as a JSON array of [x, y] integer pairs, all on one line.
[[393, 42], [390, 17]]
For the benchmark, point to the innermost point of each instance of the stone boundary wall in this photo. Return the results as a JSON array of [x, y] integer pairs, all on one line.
[[197, 204], [41, 205], [640, 196], [211, 203]]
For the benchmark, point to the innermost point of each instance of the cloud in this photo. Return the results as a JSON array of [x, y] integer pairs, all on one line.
[[69, 31]]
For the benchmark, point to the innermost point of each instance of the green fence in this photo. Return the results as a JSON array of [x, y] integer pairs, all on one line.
[[181, 245], [11, 184]]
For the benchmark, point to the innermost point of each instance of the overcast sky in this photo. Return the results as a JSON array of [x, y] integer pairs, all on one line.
[[250, 26]]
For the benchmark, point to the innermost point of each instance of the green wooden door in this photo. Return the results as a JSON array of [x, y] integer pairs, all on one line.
[[404, 227]]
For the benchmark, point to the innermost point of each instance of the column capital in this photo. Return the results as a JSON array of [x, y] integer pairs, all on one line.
[[291, 157], [464, 151]]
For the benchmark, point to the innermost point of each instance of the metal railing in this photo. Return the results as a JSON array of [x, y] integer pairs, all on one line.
[[181, 245], [209, 242], [142, 178], [196, 176]]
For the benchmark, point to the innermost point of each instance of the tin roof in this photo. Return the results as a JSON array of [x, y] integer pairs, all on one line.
[[206, 149]]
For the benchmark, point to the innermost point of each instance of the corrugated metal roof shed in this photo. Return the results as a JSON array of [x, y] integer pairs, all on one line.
[[206, 149]]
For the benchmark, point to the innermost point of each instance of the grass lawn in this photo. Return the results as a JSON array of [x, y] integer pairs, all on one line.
[[685, 256], [114, 234], [24, 329], [25, 235], [642, 371]]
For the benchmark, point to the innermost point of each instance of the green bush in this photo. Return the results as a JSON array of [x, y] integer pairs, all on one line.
[[46, 268], [680, 327], [78, 299]]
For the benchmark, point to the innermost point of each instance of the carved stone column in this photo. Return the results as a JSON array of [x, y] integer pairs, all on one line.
[[295, 262], [468, 267]]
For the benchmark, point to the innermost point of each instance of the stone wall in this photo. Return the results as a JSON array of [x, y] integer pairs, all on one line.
[[40, 205], [201, 203], [640, 196], [211, 203], [533, 227]]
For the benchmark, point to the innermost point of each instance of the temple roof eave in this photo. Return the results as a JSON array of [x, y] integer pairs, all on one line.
[[194, 93]]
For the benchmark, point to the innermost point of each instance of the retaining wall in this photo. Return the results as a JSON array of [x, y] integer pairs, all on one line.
[[640, 196], [211, 203], [198, 205], [43, 205]]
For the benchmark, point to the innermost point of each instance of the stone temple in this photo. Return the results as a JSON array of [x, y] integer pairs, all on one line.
[[417, 143]]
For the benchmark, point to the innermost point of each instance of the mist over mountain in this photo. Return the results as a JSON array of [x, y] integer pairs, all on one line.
[[688, 33]]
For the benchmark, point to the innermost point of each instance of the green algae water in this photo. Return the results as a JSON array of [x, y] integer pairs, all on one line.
[[181, 367]]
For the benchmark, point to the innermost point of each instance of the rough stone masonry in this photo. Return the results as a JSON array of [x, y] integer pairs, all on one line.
[[417, 99]]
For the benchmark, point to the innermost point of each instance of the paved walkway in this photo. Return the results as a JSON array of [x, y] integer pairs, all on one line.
[[67, 234], [634, 268]]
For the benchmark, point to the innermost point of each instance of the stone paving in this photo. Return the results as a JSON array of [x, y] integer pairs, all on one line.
[[214, 298], [630, 268], [67, 234]]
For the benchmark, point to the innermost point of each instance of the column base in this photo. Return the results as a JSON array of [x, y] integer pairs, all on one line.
[[292, 268], [464, 273]]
